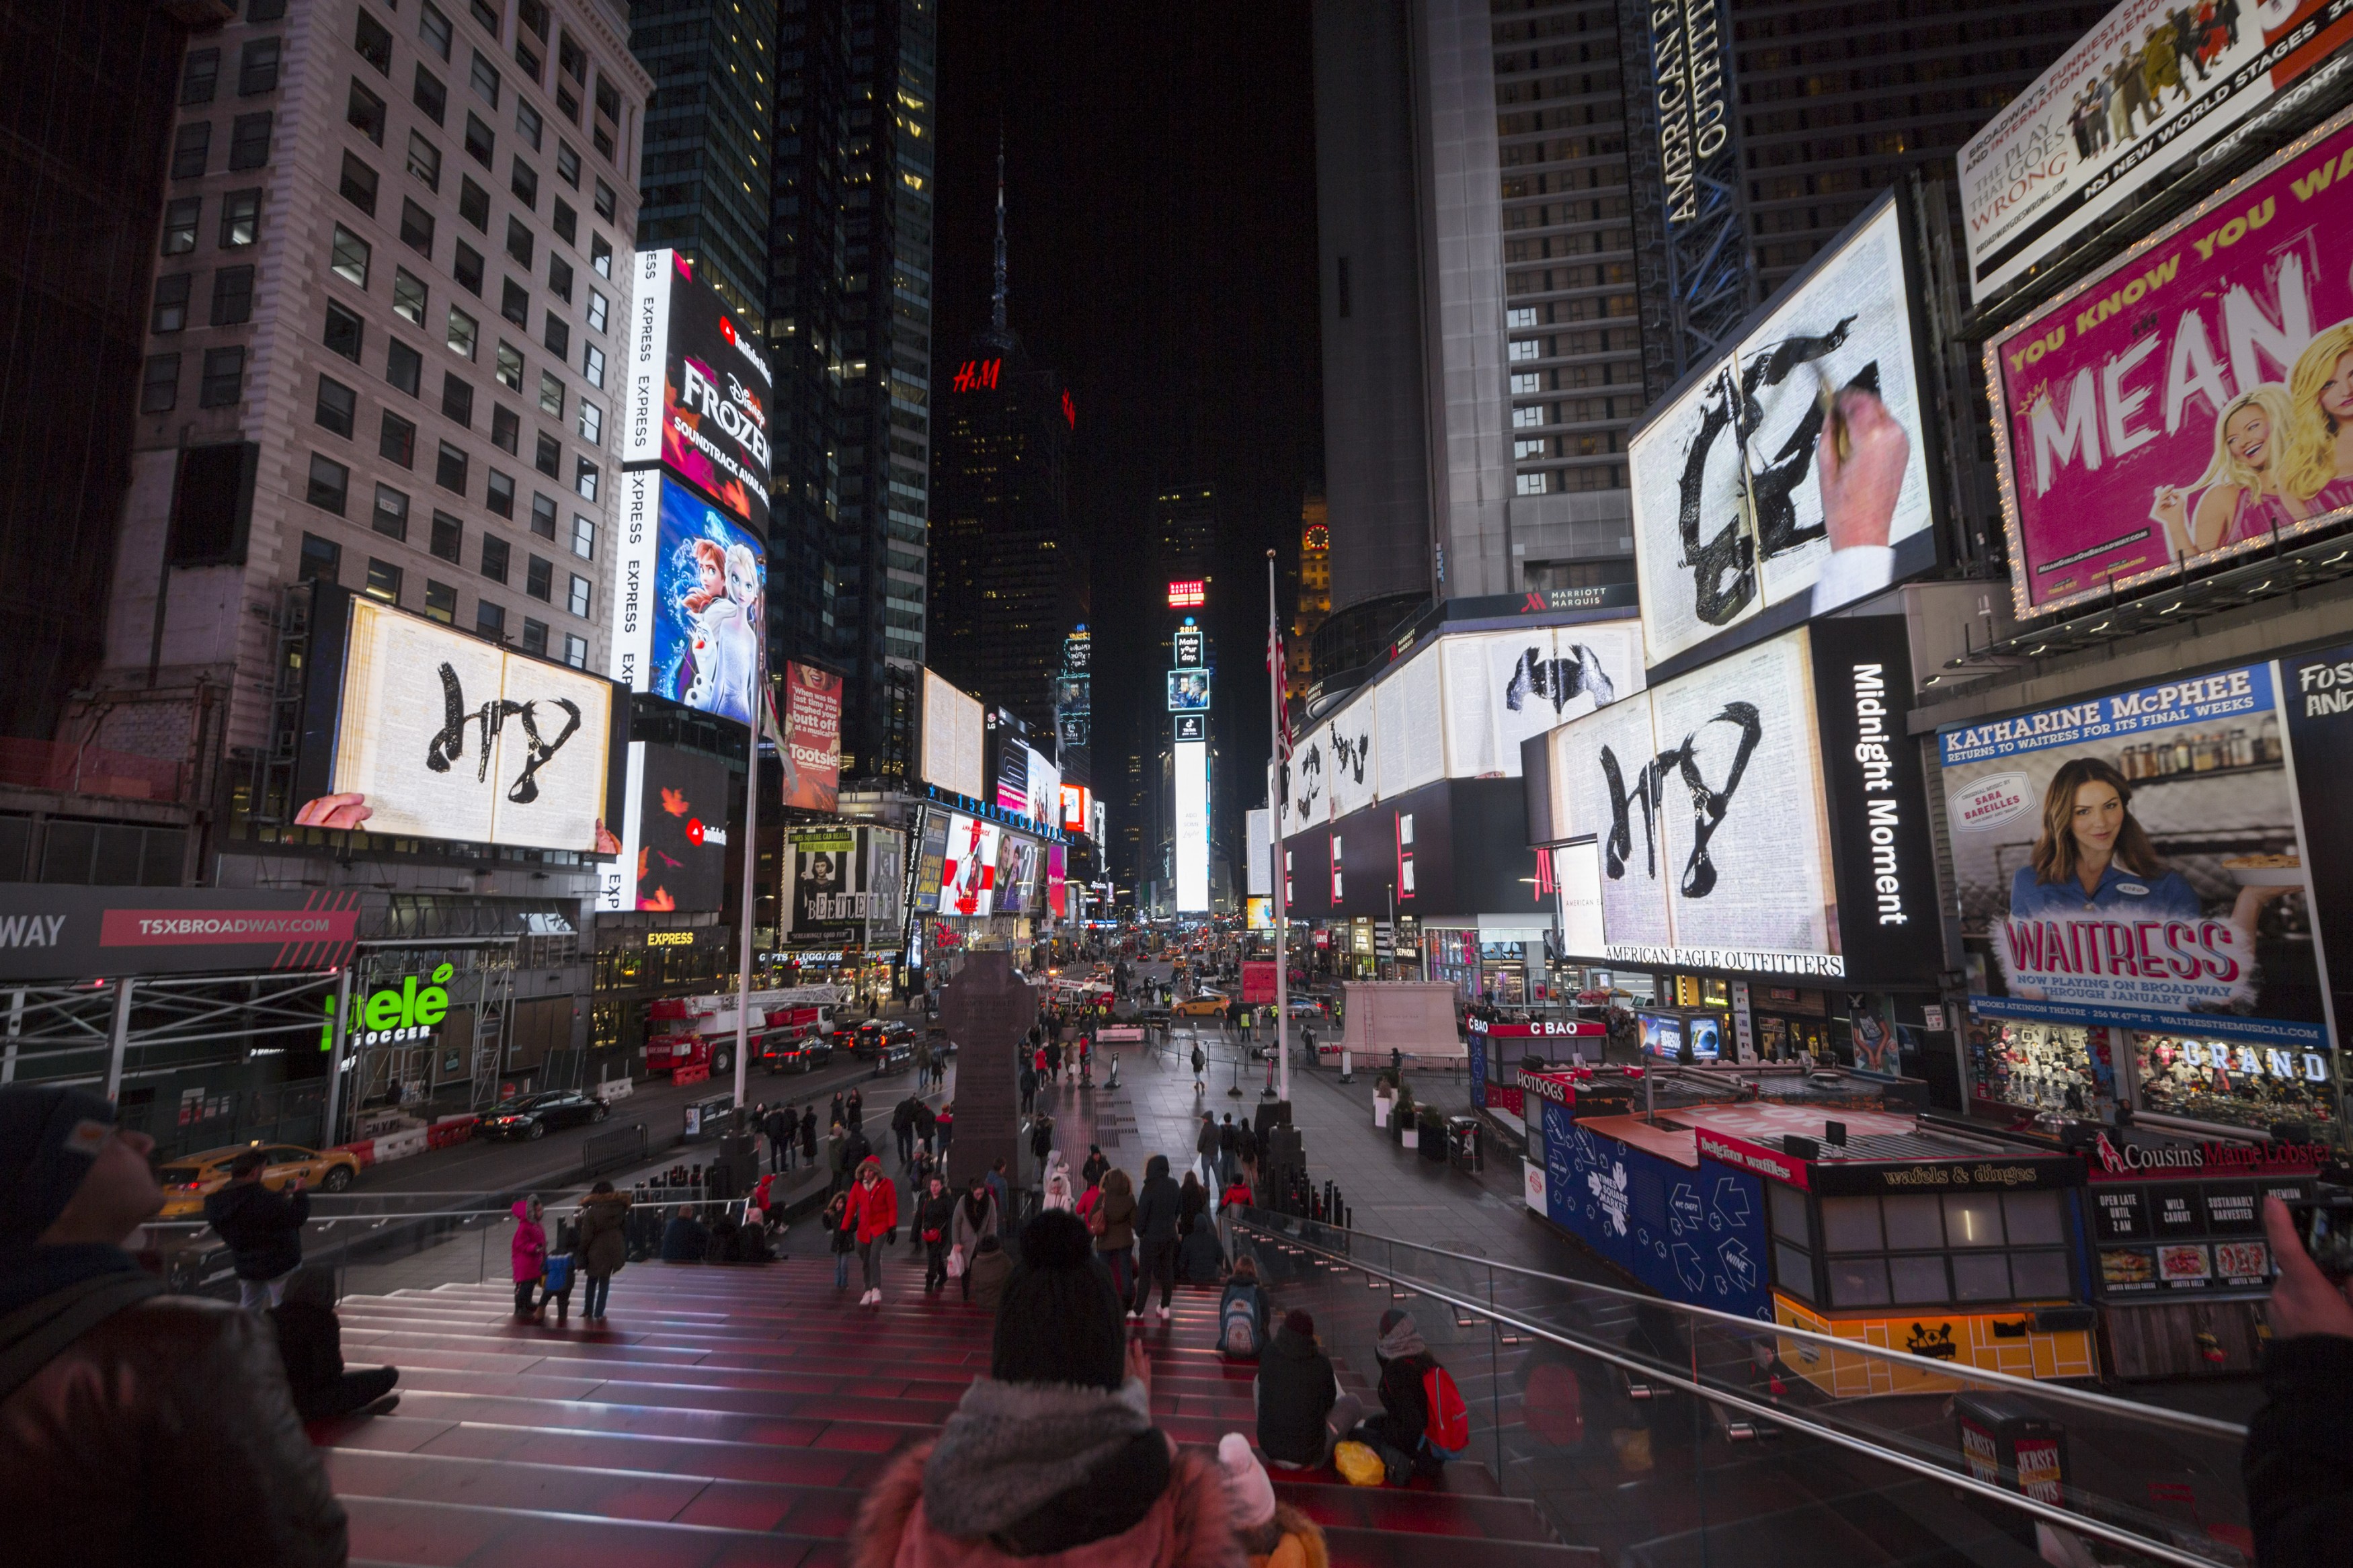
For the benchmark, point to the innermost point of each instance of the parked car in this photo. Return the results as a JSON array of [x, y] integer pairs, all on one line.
[[530, 1115], [796, 1053], [189, 1179], [894, 1055]]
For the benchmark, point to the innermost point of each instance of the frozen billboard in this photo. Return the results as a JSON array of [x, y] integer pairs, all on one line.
[[696, 400]]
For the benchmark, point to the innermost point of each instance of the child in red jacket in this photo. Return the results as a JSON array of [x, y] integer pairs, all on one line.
[[874, 1217]]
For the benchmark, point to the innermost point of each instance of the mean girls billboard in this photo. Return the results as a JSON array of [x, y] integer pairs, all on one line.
[[2194, 401], [2138, 859]]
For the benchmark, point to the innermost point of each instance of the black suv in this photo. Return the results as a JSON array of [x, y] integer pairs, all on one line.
[[530, 1115], [796, 1053]]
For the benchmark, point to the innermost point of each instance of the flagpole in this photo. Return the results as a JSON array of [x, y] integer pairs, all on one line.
[[760, 705], [1274, 817]]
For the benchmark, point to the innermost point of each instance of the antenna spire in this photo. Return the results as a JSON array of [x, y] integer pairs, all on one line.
[[996, 307]]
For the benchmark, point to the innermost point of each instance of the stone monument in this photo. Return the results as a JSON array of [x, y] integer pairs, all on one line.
[[987, 1010]]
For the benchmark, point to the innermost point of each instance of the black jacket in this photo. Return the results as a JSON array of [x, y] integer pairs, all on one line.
[[1205, 1140], [310, 1343], [1157, 1204], [1407, 1411], [2298, 1462], [1199, 1259], [263, 1229], [779, 1127], [808, 1132], [1295, 1393], [934, 1216]]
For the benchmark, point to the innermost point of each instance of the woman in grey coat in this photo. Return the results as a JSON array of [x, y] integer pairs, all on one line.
[[976, 1216]]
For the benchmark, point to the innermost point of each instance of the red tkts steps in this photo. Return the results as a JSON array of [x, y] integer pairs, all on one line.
[[737, 1416]]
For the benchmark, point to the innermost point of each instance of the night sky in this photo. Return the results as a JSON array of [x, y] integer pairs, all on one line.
[[1160, 171]]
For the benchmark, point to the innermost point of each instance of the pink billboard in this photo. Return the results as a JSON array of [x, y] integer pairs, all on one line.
[[2192, 401]]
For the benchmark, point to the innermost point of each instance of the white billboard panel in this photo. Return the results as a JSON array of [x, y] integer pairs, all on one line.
[[1192, 840], [952, 738]]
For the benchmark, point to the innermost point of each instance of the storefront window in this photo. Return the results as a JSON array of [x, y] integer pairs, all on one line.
[[1908, 1250], [2041, 1067], [2233, 1085]]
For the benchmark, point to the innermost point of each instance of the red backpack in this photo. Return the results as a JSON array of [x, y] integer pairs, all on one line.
[[1448, 1427]]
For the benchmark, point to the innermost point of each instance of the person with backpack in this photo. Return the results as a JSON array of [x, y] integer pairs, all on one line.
[[934, 1212], [600, 1239], [1302, 1413], [990, 1267], [1241, 1313], [1423, 1421], [1201, 1066], [134, 1426]]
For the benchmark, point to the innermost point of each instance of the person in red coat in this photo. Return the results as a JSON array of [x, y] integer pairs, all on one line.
[[874, 1216]]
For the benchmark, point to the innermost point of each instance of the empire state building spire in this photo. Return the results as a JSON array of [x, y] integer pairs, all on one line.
[[996, 307]]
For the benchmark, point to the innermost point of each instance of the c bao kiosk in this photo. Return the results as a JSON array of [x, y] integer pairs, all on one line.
[[1845, 1220]]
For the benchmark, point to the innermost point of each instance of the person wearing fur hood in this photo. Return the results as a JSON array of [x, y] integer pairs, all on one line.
[[1053, 1453]]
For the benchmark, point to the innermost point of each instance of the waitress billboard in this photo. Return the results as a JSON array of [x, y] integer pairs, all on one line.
[[2138, 859]]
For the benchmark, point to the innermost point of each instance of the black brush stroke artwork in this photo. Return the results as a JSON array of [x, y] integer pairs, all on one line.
[[1724, 570], [1648, 791], [1558, 682], [450, 744]]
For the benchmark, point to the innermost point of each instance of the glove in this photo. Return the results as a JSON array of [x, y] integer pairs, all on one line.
[[893, 1240]]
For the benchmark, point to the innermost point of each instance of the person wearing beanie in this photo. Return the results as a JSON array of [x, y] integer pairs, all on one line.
[[873, 1215], [1302, 1413], [1054, 1453], [1273, 1534], [1404, 1360], [96, 1363]]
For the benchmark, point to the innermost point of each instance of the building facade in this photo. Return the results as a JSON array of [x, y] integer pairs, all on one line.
[[849, 330], [1009, 572], [706, 167]]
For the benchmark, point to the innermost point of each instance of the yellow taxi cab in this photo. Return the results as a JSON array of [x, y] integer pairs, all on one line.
[[189, 1179], [1202, 1006]]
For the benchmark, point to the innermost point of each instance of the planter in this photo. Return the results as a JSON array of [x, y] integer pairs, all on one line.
[[1382, 1105], [1409, 1136]]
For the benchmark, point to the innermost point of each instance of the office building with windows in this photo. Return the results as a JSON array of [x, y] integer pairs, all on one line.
[[850, 332], [1009, 572], [705, 182], [1485, 355], [383, 350]]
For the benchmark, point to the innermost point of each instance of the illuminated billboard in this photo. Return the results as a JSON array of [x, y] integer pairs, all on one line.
[[691, 607], [1186, 594], [1732, 529], [832, 897], [812, 715], [968, 867], [1188, 692], [1019, 863], [419, 731], [2153, 420], [952, 738], [1192, 836], [1187, 642], [674, 846], [697, 395], [931, 861]]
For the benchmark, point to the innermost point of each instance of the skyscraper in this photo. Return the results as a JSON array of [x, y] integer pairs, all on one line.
[[706, 185], [94, 85], [1008, 573], [850, 328], [1502, 294]]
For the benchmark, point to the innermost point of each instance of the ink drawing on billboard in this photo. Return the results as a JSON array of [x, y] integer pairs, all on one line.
[[2136, 860], [1792, 472], [2191, 403], [710, 581]]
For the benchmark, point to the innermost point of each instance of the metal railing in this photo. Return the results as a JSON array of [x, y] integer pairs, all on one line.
[[1666, 1433]]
